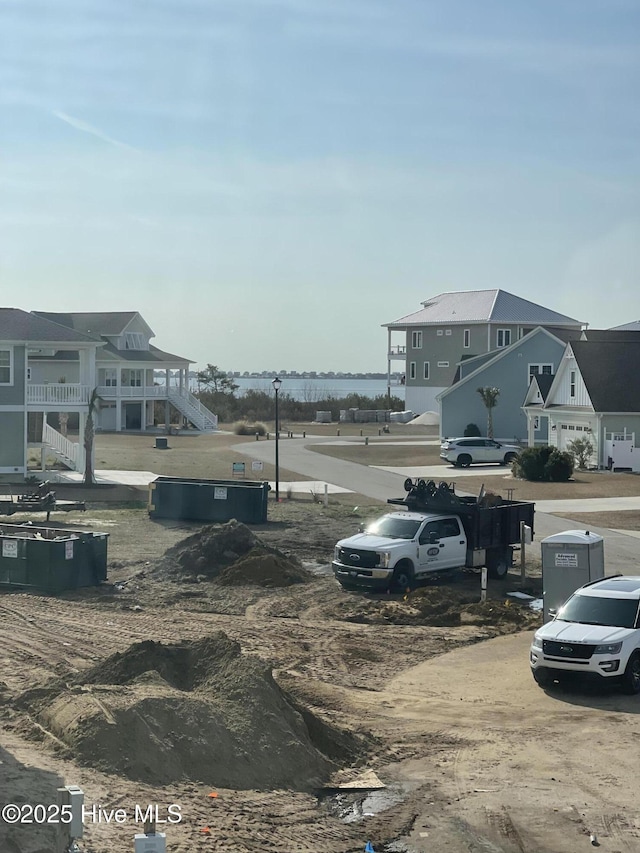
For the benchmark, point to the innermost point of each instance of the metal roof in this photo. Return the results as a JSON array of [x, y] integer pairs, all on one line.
[[18, 325], [628, 327], [482, 306]]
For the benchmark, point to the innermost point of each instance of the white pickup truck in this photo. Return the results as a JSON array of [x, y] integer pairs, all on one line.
[[438, 531]]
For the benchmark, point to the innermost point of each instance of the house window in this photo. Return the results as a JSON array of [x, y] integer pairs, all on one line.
[[6, 363], [425, 373], [28, 374], [447, 333], [134, 340], [439, 333], [412, 370], [536, 422], [540, 369], [443, 364], [467, 338], [132, 378], [503, 338], [416, 340], [572, 384], [110, 377]]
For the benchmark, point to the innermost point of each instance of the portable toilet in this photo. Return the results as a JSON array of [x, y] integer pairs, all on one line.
[[569, 560]]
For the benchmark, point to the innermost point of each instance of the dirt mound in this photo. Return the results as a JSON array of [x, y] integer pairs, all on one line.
[[196, 710], [441, 607], [263, 569], [232, 555]]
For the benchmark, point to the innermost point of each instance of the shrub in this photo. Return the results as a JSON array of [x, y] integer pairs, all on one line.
[[471, 429], [246, 428], [582, 450], [559, 467], [543, 464]]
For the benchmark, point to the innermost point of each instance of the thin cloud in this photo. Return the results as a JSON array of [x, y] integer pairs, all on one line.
[[85, 127]]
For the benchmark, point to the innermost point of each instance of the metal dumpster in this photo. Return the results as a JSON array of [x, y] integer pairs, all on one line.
[[50, 559], [208, 500]]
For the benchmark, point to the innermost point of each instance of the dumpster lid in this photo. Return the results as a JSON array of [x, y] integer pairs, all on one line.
[[574, 537]]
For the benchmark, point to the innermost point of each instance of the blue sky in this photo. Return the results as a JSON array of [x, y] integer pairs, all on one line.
[[268, 181]]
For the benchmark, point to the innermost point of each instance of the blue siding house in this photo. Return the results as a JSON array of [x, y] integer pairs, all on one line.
[[510, 370]]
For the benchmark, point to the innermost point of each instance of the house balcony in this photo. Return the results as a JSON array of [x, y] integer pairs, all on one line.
[[398, 352], [62, 394]]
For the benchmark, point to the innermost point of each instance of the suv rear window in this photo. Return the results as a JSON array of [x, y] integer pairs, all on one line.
[[591, 610]]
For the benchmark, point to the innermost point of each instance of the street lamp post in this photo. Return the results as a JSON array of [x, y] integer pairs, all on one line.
[[277, 382]]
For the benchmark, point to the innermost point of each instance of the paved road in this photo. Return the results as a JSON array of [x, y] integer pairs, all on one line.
[[621, 550]]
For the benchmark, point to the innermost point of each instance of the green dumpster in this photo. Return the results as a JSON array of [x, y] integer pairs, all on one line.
[[51, 559], [208, 500]]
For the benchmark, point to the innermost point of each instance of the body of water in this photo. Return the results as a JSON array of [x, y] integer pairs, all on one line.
[[310, 390]]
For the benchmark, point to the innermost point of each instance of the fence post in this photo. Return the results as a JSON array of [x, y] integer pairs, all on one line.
[[523, 570]]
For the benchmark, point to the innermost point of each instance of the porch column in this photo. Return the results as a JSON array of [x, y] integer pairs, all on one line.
[[118, 412], [530, 431]]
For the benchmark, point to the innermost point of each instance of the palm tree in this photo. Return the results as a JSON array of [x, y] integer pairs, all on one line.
[[89, 433], [490, 399]]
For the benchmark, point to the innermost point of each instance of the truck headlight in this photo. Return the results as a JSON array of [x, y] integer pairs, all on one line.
[[537, 642], [336, 554], [608, 649], [384, 559]]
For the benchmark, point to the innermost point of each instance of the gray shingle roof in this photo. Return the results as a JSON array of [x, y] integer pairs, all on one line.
[[610, 373], [544, 382], [152, 354], [94, 323], [611, 334], [18, 325], [482, 306]]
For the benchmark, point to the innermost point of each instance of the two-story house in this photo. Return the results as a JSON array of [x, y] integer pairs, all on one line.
[[595, 393], [453, 326], [50, 363]]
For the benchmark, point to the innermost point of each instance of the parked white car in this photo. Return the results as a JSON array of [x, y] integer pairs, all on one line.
[[596, 632], [463, 452]]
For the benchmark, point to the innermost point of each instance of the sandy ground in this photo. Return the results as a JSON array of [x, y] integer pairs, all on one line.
[[475, 757]]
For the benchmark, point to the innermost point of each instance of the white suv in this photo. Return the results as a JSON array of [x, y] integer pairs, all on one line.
[[596, 632], [462, 452]]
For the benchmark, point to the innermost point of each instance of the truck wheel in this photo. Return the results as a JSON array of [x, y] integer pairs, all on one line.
[[499, 564], [631, 677], [402, 577], [509, 457], [464, 460]]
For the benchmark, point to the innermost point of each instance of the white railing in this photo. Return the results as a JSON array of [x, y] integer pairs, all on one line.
[[149, 392], [63, 393], [190, 406], [397, 351], [70, 451]]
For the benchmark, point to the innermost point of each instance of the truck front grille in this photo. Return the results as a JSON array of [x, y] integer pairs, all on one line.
[[556, 649], [358, 559]]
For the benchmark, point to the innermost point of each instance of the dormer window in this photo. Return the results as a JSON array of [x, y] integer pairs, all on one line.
[[134, 340]]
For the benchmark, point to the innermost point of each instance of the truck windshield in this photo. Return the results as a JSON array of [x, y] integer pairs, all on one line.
[[591, 610], [394, 528]]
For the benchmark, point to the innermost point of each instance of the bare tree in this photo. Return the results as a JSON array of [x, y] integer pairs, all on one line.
[[490, 399]]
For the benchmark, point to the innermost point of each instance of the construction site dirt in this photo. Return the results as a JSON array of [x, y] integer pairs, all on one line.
[[224, 673]]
